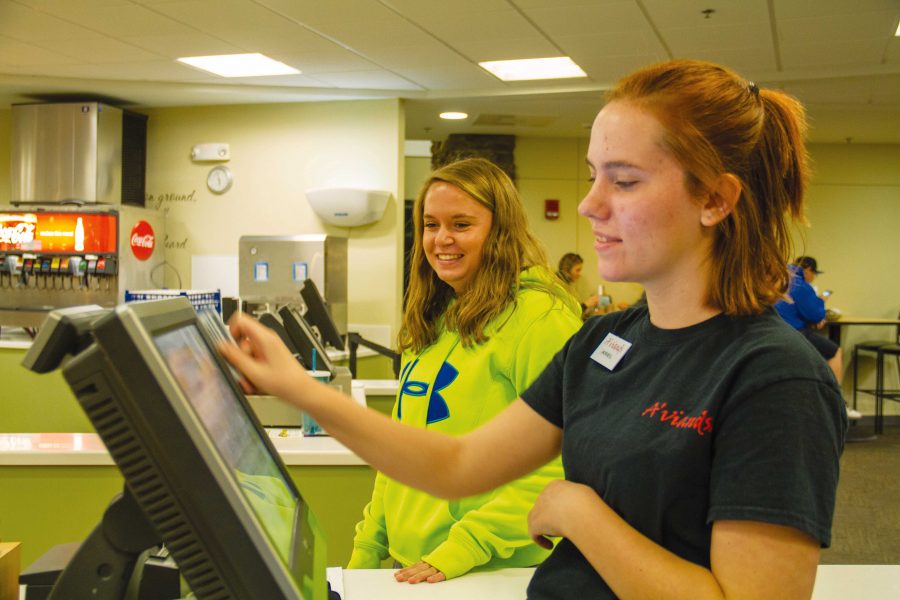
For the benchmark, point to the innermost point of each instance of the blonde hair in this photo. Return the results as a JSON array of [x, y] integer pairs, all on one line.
[[717, 122], [510, 248]]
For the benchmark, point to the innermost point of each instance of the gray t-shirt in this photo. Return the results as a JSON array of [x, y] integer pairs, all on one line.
[[735, 418]]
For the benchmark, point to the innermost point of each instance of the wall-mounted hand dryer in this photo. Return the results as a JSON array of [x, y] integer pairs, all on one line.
[[348, 207]]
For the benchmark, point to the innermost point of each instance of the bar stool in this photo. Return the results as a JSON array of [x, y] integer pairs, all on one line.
[[870, 346], [882, 394]]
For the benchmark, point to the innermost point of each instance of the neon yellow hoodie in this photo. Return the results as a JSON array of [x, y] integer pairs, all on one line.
[[454, 389]]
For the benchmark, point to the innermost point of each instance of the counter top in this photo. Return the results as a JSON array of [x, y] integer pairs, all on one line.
[[15, 337], [87, 449], [377, 387], [833, 582]]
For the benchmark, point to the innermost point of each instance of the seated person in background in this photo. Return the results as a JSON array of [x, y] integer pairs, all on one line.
[[483, 317], [804, 310], [570, 266]]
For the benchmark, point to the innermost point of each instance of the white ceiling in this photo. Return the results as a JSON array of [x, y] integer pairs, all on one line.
[[840, 57]]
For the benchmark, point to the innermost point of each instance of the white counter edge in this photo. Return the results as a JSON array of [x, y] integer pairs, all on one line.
[[86, 449], [28, 449]]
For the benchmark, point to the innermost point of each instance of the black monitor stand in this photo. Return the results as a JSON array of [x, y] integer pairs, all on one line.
[[102, 567]]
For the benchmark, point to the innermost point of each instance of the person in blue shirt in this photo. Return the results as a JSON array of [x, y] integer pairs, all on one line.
[[804, 310]]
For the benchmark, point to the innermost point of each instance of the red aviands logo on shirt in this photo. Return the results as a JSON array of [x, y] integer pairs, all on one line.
[[142, 240], [701, 423]]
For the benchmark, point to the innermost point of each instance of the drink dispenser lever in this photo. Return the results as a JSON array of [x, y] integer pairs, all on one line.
[[75, 271], [26, 266], [11, 266]]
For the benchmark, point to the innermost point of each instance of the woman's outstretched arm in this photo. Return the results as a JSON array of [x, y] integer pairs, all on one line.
[[442, 465]]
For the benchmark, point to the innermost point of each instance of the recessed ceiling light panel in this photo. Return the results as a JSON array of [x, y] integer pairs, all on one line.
[[559, 67], [454, 116], [239, 65]]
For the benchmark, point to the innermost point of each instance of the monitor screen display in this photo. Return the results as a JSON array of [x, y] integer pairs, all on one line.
[[204, 384]]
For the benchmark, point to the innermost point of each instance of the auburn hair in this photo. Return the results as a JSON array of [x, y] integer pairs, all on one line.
[[716, 122], [510, 248]]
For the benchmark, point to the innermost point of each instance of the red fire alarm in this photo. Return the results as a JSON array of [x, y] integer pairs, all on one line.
[[551, 209]]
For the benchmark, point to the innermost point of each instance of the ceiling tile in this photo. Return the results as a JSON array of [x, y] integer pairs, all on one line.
[[689, 13], [295, 81], [156, 70], [690, 41], [438, 10], [53, 5], [892, 54], [335, 60], [29, 25], [16, 56], [178, 45], [804, 8], [318, 13], [563, 4], [219, 17], [507, 49], [497, 24], [375, 80], [436, 57], [589, 19], [454, 78], [288, 38], [831, 53], [585, 48], [873, 25], [99, 50], [364, 36], [114, 18]]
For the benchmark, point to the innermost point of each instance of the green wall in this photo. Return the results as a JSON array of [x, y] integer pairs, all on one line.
[[33, 403], [43, 506]]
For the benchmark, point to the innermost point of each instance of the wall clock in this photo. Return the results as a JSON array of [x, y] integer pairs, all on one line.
[[219, 179]]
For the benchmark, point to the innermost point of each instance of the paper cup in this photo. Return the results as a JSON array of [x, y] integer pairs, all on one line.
[[310, 427]]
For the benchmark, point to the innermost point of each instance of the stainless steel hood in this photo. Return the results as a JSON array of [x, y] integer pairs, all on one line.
[[84, 152]]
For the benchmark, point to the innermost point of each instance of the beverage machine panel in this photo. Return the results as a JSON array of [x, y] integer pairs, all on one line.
[[273, 270], [60, 256]]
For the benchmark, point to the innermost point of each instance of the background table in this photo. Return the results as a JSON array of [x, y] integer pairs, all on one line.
[[835, 327]]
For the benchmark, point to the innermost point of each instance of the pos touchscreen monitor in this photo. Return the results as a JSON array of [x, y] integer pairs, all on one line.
[[195, 459], [310, 350], [317, 315]]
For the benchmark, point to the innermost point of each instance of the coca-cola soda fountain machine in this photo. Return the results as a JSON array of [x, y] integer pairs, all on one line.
[[55, 256]]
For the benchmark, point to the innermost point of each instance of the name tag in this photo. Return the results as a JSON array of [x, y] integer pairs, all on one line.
[[610, 351]]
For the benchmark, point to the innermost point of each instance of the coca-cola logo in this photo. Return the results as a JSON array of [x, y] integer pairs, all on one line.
[[143, 241], [20, 233]]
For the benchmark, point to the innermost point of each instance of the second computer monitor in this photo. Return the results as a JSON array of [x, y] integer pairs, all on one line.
[[310, 349], [317, 315]]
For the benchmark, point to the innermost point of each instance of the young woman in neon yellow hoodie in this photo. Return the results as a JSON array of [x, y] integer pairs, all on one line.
[[483, 317]]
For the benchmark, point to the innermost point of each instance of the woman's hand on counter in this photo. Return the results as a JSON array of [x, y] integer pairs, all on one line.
[[419, 572]]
